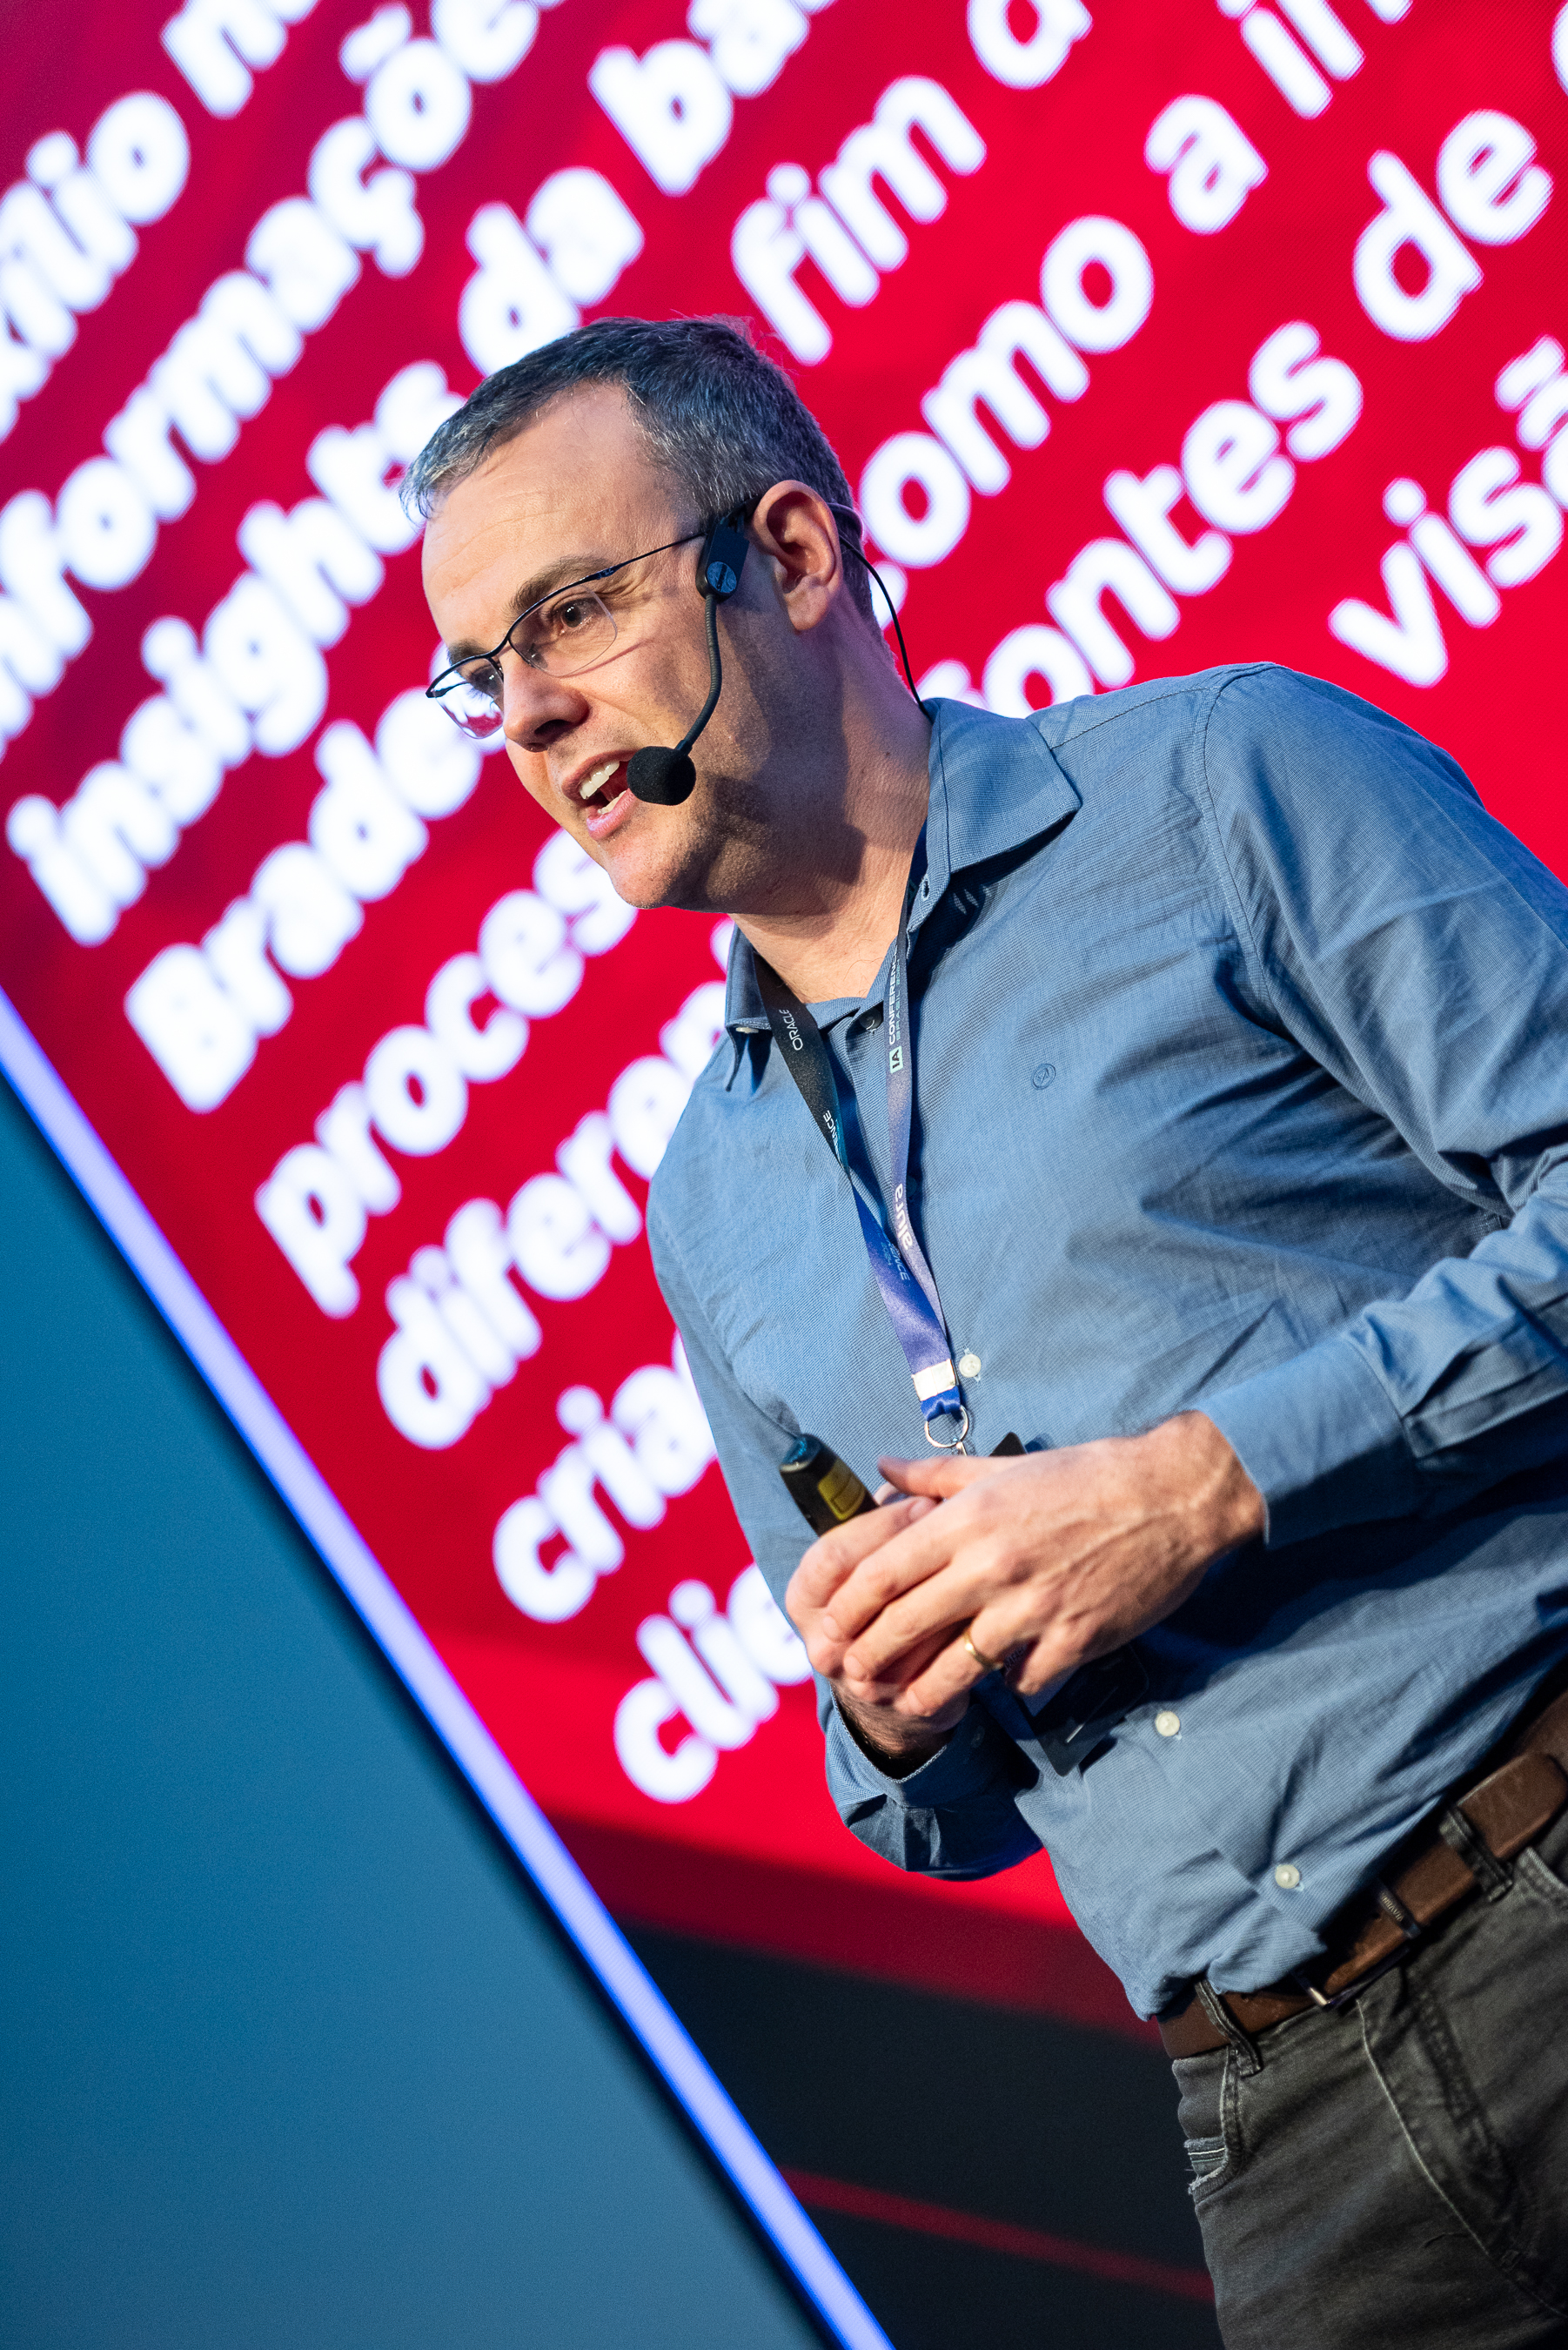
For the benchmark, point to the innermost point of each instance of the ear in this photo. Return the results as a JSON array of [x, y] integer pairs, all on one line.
[[793, 531]]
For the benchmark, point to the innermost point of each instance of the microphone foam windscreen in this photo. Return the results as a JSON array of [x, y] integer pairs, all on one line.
[[663, 776]]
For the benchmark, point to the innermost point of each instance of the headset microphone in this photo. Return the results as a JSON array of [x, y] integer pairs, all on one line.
[[667, 777]]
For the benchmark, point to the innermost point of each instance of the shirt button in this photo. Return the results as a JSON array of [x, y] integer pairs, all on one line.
[[1287, 1877], [1168, 1723], [969, 1366]]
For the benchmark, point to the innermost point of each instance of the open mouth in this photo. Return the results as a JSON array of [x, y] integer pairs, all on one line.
[[603, 785], [602, 793]]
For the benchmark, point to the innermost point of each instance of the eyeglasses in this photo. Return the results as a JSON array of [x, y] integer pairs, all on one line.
[[562, 633]]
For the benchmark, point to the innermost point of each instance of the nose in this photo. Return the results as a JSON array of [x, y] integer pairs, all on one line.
[[537, 709]]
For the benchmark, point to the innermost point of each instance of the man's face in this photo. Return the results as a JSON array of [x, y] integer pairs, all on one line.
[[576, 491]]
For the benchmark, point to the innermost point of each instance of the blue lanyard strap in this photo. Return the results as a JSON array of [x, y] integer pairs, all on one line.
[[902, 1274]]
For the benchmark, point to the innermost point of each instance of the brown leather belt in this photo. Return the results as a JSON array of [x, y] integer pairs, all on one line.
[[1461, 1847]]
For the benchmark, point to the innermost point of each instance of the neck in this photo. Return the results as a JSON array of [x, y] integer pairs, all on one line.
[[830, 914]]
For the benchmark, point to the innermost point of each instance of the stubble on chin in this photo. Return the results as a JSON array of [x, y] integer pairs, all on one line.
[[715, 862]]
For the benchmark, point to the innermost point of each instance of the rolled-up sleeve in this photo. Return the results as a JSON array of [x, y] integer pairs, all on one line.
[[1418, 952]]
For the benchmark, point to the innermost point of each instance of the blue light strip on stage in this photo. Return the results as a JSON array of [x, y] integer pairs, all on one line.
[[491, 1777]]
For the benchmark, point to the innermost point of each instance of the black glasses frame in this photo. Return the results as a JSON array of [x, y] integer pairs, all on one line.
[[449, 679]]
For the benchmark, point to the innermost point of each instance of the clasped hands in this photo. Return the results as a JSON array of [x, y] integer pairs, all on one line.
[[1046, 1560]]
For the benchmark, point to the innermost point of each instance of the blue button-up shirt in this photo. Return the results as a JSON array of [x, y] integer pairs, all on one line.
[[1242, 1070]]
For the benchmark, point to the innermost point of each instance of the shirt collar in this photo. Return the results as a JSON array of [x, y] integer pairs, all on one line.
[[994, 785]]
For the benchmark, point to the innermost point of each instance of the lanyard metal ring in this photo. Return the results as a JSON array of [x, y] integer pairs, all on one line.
[[938, 1444]]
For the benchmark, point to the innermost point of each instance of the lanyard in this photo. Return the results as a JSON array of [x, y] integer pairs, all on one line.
[[902, 1275]]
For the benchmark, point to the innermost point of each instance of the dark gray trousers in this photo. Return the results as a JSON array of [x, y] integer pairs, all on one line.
[[1394, 2175]]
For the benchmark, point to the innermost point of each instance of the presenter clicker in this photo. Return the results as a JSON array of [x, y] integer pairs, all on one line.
[[1174, 1080]]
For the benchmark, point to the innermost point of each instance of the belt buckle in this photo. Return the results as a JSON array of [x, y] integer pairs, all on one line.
[[1411, 1930], [1331, 2003]]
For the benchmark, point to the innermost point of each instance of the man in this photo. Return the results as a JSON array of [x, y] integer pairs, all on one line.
[[1201, 1049]]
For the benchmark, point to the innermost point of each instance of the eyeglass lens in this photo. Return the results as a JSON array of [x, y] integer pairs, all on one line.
[[562, 637]]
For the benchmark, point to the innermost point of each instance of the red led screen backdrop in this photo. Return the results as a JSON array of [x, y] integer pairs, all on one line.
[[1152, 336]]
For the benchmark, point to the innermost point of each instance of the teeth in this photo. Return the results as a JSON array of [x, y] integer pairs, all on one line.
[[597, 780]]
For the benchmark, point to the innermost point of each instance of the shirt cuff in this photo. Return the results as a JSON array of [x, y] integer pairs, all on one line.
[[965, 1767], [1321, 1443]]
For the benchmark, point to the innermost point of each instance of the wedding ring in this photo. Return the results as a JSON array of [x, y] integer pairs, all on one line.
[[986, 1664]]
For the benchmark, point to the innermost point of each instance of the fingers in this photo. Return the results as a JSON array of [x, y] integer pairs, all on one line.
[[940, 1474], [1014, 1606], [824, 1567], [950, 1672], [947, 1670], [1050, 1560], [891, 1688], [926, 1681], [944, 1604], [919, 1550], [939, 1570]]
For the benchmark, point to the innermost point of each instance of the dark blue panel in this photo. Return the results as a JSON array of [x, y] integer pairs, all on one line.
[[291, 2055]]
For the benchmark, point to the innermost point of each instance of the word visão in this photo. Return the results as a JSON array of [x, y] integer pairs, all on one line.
[[256, 682], [416, 1079], [653, 1447], [1489, 507], [722, 1670], [461, 1326], [68, 231]]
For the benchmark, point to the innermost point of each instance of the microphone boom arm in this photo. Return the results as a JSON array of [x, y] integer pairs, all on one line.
[[667, 777]]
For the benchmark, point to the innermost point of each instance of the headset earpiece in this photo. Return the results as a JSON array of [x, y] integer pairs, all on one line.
[[724, 557]]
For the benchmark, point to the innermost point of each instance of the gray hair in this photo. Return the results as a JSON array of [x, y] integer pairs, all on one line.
[[721, 418]]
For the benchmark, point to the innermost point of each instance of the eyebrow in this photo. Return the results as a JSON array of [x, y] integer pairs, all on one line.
[[568, 572], [576, 568], [557, 574]]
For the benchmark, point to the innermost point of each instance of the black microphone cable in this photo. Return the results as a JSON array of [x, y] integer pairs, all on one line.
[[862, 558]]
